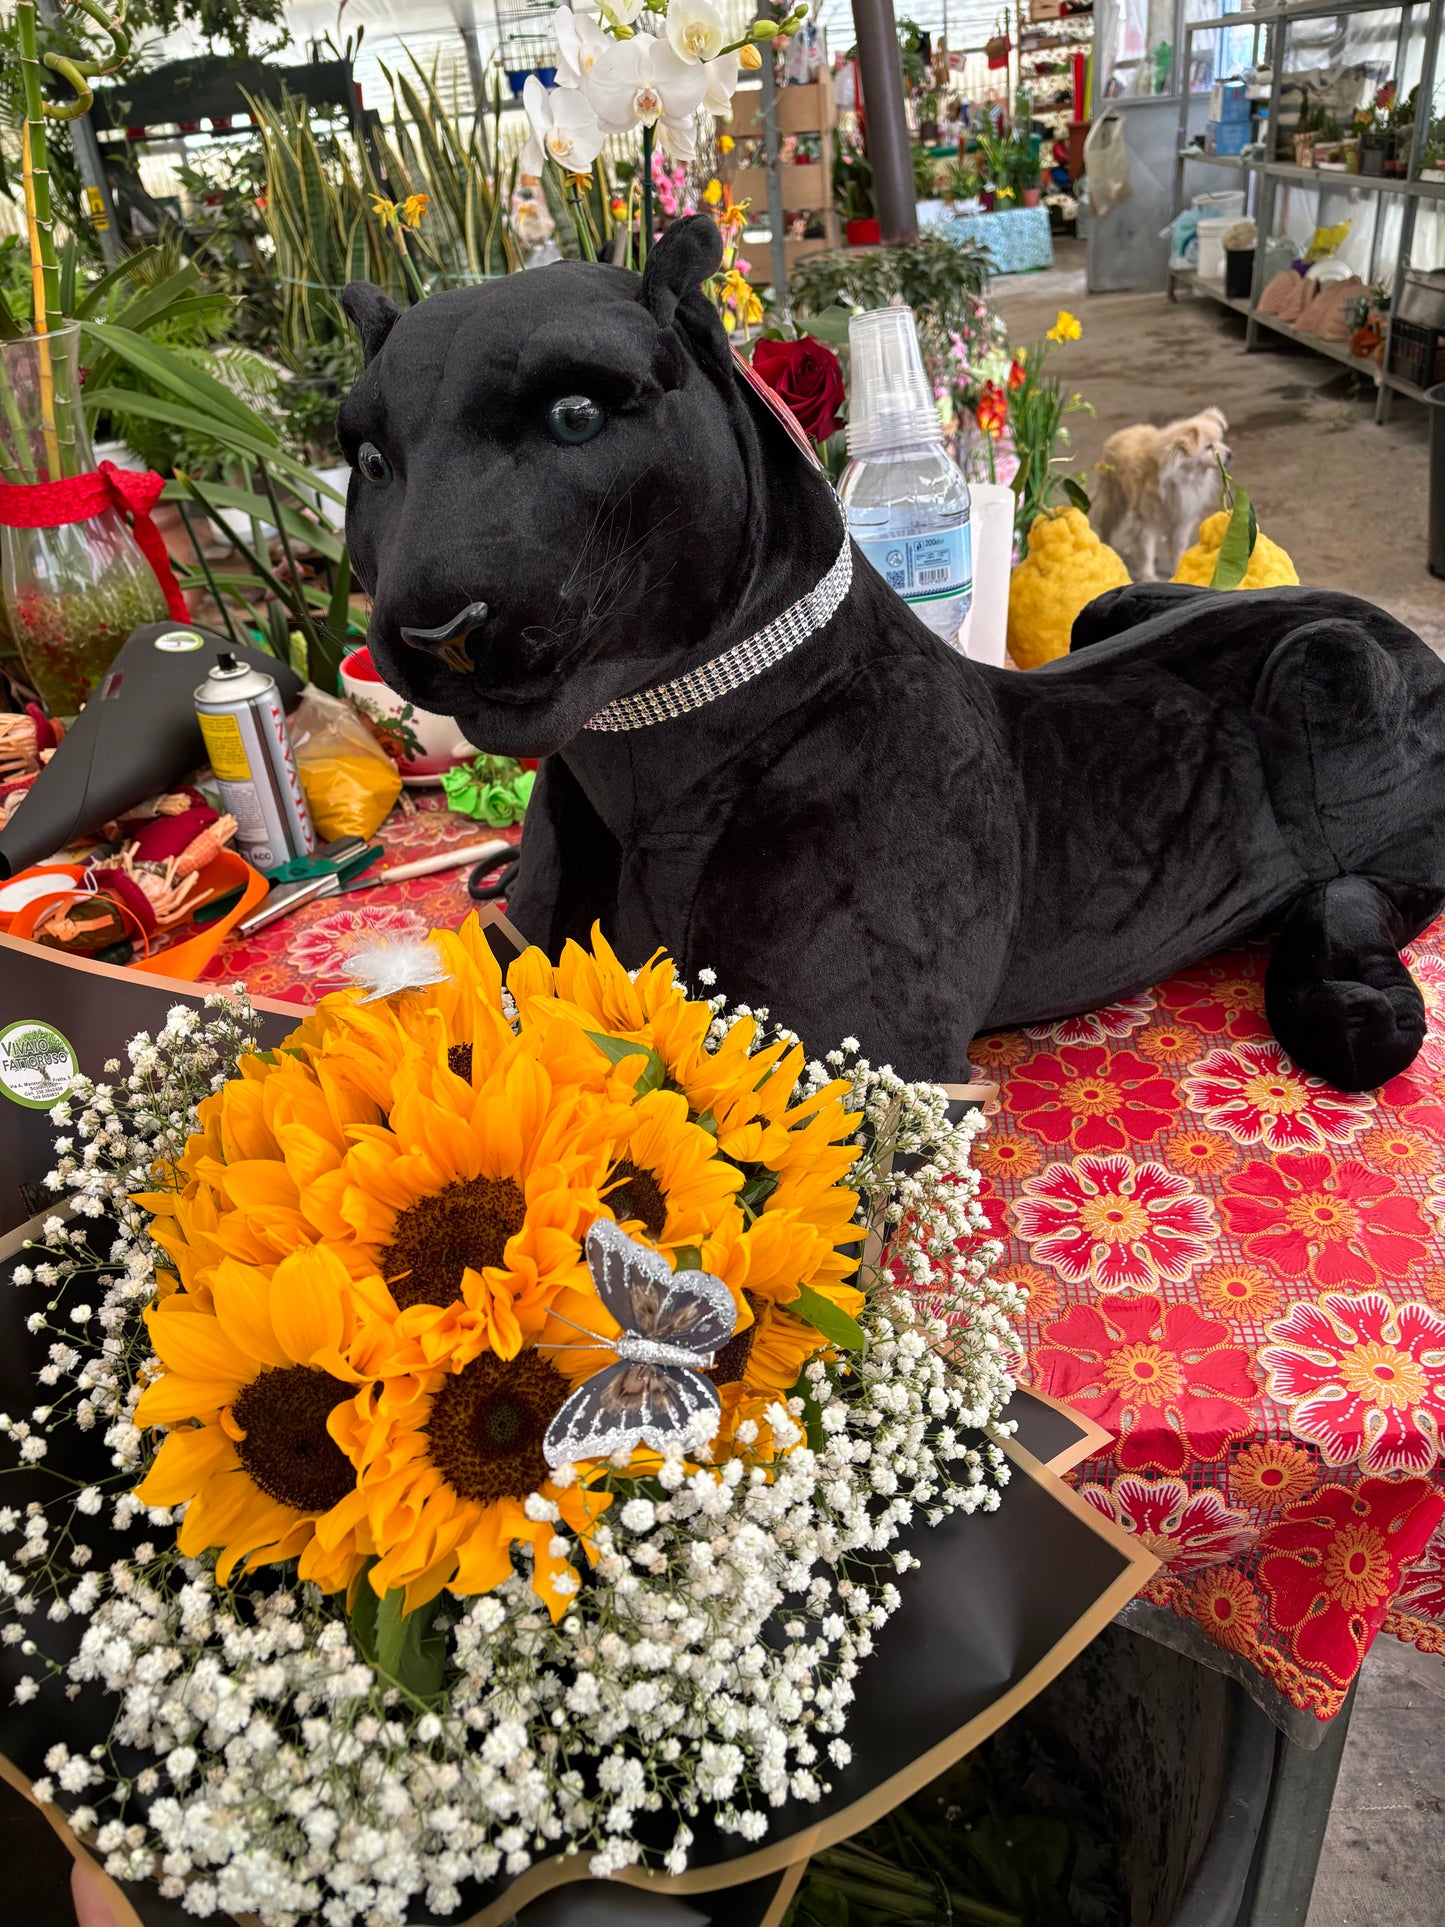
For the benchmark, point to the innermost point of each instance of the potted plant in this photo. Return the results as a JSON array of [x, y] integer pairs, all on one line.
[[1432, 161], [1025, 173], [1377, 137], [853, 192], [928, 119], [960, 181]]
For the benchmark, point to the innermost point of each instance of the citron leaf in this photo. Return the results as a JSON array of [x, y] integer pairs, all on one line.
[[1232, 563]]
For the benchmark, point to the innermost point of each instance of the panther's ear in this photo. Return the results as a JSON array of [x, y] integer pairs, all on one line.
[[372, 313], [678, 264]]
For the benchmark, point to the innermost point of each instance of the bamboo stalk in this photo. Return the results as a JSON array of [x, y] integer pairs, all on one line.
[[40, 226]]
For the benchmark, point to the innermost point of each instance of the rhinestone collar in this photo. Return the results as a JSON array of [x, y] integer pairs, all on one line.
[[737, 665]]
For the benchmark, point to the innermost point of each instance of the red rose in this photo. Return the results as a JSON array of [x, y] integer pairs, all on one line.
[[808, 377]]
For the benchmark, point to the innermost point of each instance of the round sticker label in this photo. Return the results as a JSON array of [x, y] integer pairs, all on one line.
[[36, 1064], [178, 642]]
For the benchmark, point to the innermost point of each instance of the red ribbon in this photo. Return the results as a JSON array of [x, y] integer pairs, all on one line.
[[52, 505]]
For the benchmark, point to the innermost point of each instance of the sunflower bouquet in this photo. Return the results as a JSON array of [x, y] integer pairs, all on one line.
[[514, 1392]]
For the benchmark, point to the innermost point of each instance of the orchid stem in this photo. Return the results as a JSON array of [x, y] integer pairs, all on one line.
[[646, 236]]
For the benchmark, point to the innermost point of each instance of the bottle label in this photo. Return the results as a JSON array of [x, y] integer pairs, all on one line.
[[923, 568]]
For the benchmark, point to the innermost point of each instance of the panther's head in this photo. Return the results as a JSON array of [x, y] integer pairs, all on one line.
[[552, 498]]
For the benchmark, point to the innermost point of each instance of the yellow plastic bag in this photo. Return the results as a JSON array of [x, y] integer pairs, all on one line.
[[349, 780]]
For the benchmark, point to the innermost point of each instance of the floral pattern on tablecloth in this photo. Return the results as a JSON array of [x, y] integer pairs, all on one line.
[[1239, 1272], [301, 956]]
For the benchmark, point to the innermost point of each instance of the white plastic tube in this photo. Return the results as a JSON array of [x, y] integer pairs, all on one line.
[[991, 517]]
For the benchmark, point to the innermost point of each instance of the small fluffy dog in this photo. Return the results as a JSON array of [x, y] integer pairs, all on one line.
[[1155, 487]]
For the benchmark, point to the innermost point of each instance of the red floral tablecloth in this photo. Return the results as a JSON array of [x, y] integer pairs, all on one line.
[[1240, 1273], [1234, 1268], [302, 956]]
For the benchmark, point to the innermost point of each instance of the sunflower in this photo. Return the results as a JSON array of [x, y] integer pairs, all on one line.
[[670, 1185], [251, 1391], [448, 1461]]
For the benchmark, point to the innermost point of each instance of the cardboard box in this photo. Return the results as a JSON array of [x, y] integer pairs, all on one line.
[[1229, 101], [801, 110]]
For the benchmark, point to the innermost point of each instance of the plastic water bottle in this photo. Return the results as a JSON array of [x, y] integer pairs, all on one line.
[[904, 498]]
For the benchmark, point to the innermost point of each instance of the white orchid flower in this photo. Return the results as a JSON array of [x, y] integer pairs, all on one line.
[[722, 84], [695, 29], [624, 12], [579, 42], [678, 139], [640, 82], [564, 129]]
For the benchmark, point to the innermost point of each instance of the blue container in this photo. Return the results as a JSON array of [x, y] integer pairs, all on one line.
[[517, 78], [1229, 101]]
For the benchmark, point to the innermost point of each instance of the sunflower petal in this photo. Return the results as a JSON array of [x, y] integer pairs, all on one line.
[[308, 1294]]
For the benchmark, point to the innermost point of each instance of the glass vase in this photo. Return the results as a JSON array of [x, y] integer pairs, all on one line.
[[72, 594]]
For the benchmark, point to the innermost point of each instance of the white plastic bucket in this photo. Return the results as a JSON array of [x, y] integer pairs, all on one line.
[[1211, 249], [1227, 205]]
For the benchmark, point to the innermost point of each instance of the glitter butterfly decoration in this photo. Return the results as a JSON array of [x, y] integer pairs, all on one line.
[[673, 1324]]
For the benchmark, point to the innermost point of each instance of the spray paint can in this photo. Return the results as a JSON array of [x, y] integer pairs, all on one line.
[[244, 726]]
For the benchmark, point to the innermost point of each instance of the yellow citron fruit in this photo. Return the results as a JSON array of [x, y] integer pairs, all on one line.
[[1066, 567], [1269, 566]]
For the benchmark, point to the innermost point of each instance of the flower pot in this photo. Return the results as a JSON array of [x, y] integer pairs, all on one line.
[[989, 199], [864, 232], [1032, 196], [422, 745], [1375, 150], [73, 594]]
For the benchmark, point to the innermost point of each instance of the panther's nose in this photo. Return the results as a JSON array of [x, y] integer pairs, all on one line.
[[449, 643]]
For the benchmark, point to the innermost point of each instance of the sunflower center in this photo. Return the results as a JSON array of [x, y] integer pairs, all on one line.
[[459, 1061], [639, 1195], [287, 1450], [467, 1222], [732, 1360], [487, 1425]]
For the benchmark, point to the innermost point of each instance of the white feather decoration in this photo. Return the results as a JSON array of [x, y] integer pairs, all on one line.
[[386, 966]]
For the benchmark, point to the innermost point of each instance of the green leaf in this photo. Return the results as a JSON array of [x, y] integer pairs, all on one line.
[[155, 408], [835, 1324], [409, 1649], [756, 1192], [97, 291], [616, 1049], [812, 1412], [1078, 495], [689, 1258], [317, 535], [1238, 545], [175, 376], [830, 326]]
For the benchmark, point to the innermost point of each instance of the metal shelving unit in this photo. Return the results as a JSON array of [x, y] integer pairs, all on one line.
[[1264, 179]]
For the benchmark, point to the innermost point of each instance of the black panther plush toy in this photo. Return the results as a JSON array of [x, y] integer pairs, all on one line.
[[587, 539]]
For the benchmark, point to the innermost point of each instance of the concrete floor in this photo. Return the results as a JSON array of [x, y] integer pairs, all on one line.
[[1347, 500], [1344, 497]]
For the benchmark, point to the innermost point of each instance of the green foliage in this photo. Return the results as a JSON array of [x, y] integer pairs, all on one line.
[[935, 277], [407, 1647], [1003, 1839], [853, 181], [1036, 412], [925, 174]]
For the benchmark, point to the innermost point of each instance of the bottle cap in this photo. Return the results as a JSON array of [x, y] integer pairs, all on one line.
[[890, 400]]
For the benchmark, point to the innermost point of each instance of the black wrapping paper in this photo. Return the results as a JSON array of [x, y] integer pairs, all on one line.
[[137, 735]]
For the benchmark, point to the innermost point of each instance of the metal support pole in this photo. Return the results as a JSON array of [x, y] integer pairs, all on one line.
[[92, 171], [889, 149], [777, 221]]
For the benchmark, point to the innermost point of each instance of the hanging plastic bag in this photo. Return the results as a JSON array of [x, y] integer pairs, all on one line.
[[1106, 162], [349, 780]]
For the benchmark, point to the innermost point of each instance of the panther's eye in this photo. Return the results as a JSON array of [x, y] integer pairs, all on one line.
[[575, 418], [373, 465]]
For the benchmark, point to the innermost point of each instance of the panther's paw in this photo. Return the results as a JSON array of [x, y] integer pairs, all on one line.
[[1356, 1035]]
